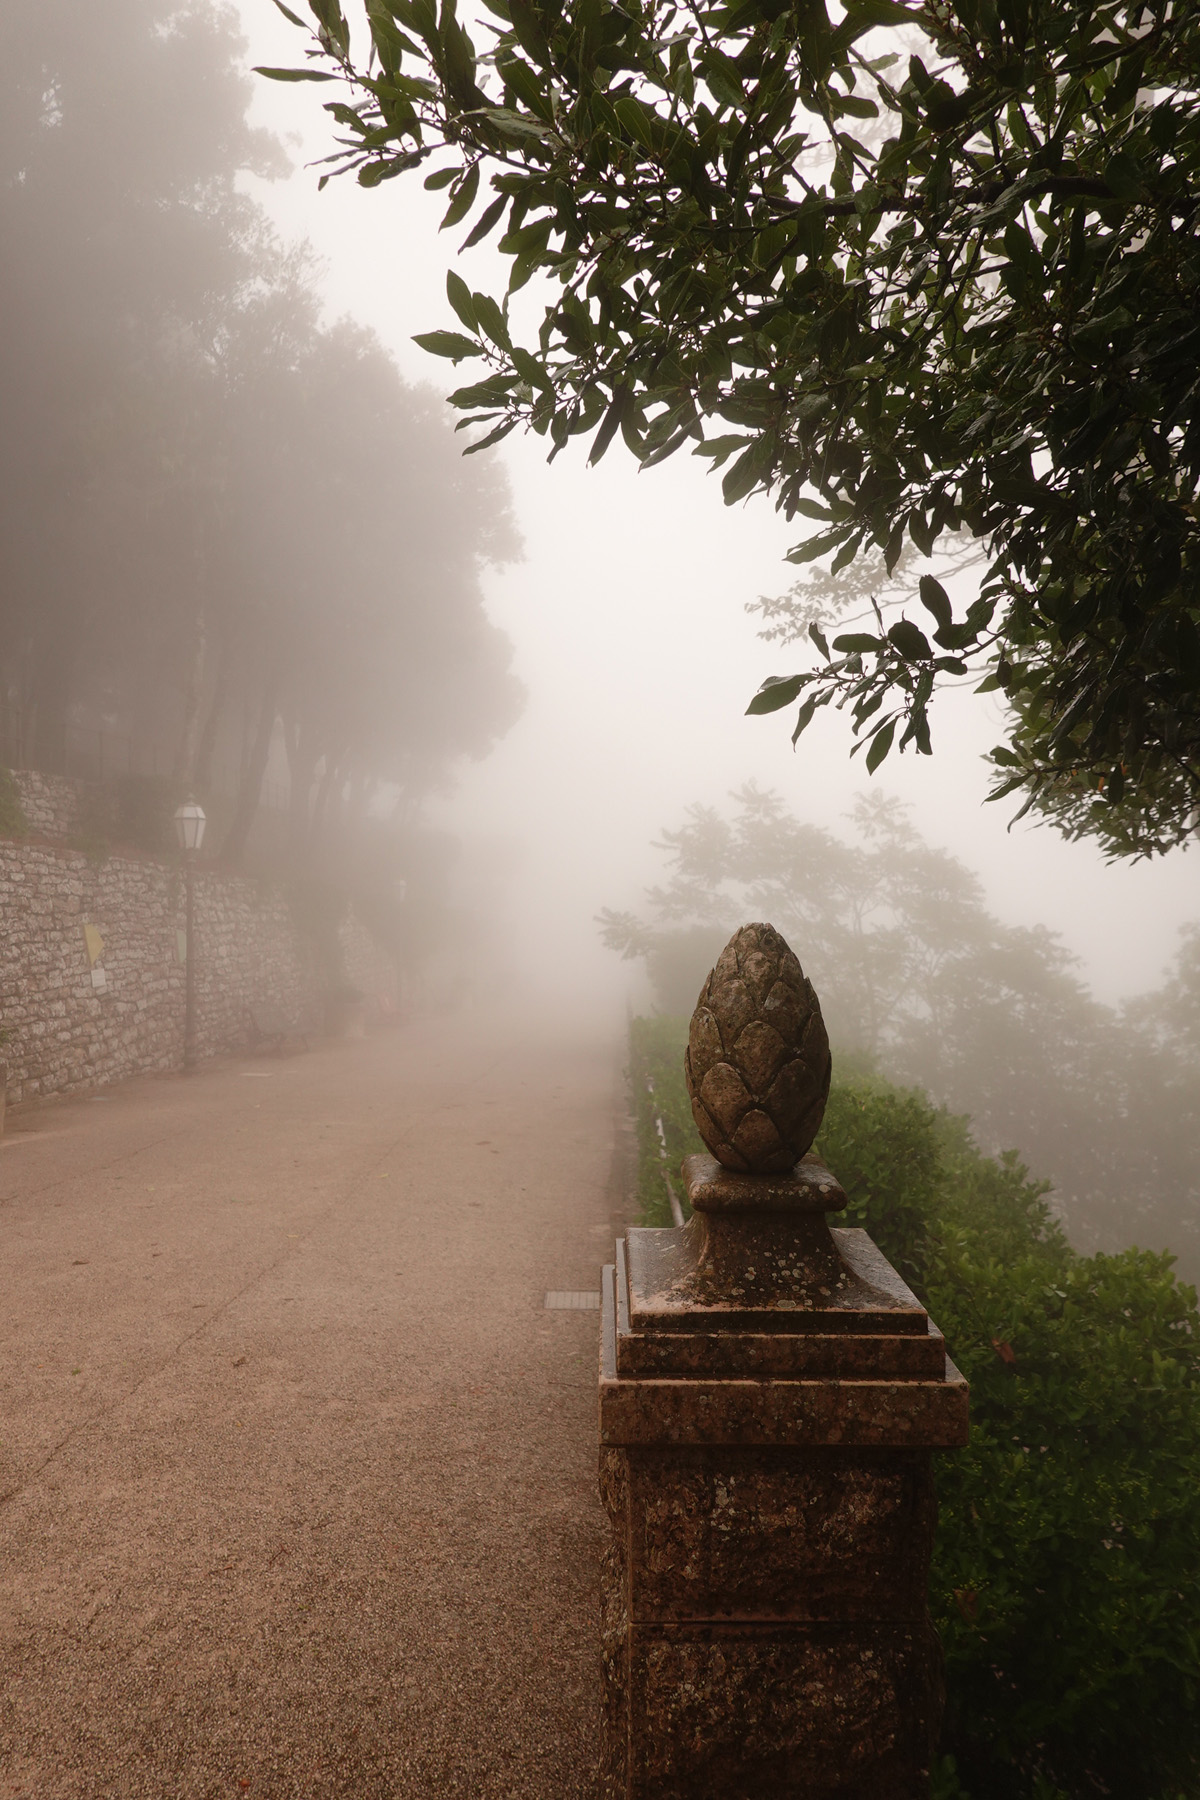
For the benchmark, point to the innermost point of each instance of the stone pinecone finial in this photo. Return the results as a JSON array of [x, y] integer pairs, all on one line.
[[757, 1061]]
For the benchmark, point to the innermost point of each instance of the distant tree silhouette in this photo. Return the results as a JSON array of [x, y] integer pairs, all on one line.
[[222, 525]]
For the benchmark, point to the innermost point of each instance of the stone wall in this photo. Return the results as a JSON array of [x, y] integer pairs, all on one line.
[[70, 1022], [52, 804]]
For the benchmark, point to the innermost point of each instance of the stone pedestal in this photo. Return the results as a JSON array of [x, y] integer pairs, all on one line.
[[770, 1392]]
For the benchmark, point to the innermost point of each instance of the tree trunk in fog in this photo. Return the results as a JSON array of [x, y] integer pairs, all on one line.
[[356, 798], [302, 763], [51, 695], [204, 522], [233, 849], [202, 773], [326, 807], [184, 772]]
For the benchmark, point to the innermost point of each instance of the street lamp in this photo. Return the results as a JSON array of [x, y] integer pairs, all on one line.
[[189, 832]]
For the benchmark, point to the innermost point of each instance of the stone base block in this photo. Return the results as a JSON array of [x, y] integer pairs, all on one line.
[[770, 1394], [765, 1629], [784, 1536], [728, 1712]]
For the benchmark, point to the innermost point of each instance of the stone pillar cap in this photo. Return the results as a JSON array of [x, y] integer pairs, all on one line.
[[809, 1187]]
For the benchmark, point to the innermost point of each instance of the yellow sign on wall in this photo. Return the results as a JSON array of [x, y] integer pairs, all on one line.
[[94, 943]]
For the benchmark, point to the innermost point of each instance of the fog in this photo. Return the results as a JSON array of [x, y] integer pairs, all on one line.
[[318, 1134], [246, 556], [627, 616]]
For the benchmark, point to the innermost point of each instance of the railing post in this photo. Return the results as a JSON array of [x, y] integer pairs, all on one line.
[[770, 1393]]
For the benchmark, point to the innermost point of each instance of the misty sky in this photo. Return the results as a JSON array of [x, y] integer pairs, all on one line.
[[630, 632]]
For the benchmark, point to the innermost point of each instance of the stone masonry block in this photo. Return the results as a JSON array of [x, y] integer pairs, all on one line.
[[735, 1713], [777, 1534]]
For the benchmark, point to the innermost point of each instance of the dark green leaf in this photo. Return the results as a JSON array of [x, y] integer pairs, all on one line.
[[459, 296], [609, 427], [1124, 176], [855, 106], [463, 199], [804, 718], [776, 692], [448, 343], [491, 320], [742, 477], [846, 554], [936, 600], [295, 74], [493, 437], [527, 26], [820, 545], [880, 744], [484, 223], [910, 641]]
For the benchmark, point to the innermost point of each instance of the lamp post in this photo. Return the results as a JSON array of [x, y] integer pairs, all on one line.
[[189, 832]]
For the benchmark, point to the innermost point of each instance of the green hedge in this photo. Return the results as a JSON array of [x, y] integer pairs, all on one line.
[[1066, 1577]]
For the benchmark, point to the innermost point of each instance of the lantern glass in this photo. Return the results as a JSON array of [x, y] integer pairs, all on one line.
[[190, 821]]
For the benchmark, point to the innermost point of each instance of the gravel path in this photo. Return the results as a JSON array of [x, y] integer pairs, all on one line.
[[297, 1475]]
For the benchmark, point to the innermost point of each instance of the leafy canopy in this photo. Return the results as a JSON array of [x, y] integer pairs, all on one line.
[[947, 291]]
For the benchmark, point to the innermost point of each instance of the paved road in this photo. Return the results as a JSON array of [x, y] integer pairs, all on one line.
[[297, 1476]]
